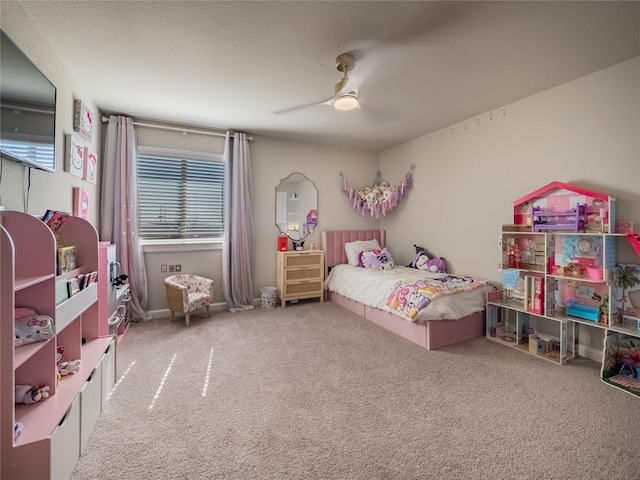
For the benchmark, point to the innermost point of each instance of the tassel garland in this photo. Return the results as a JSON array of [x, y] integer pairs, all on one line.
[[378, 200]]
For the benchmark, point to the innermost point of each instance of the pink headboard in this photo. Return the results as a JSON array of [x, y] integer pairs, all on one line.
[[333, 243]]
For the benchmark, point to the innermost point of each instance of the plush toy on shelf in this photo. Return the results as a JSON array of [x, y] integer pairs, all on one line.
[[30, 394], [66, 367]]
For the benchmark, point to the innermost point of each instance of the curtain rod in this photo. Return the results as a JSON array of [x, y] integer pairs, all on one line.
[[178, 129]]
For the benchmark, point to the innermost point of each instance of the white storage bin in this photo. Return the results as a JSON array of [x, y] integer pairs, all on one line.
[[90, 405], [108, 363], [268, 297], [65, 443]]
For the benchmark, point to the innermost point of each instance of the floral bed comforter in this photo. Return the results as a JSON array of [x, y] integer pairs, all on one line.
[[412, 294]]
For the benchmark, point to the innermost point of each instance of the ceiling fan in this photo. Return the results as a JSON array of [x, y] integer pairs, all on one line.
[[346, 94], [344, 98]]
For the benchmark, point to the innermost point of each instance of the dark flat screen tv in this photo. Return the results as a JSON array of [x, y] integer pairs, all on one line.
[[27, 110]]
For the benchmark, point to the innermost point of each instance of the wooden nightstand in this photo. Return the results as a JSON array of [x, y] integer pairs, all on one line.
[[300, 275]]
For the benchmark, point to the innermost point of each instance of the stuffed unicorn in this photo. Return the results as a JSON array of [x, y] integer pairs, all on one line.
[[377, 259]]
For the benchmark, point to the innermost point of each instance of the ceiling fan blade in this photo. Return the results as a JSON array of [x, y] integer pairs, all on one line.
[[375, 61], [327, 101]]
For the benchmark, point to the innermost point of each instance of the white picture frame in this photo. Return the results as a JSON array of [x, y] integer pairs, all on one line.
[[82, 120], [74, 156], [90, 166]]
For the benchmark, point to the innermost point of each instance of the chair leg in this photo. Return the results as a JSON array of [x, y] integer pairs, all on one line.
[[186, 317], [172, 314], [208, 309]]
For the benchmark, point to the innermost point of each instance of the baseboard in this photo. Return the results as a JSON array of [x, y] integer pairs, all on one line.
[[216, 307], [591, 353]]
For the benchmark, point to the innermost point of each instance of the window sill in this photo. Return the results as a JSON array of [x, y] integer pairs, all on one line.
[[157, 246]]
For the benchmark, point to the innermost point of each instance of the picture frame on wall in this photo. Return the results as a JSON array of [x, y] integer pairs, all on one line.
[[82, 120], [74, 156], [90, 166], [80, 203]]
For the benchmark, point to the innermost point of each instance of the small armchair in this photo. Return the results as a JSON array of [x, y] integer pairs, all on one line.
[[187, 292]]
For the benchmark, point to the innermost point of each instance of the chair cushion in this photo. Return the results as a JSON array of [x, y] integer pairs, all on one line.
[[198, 300]]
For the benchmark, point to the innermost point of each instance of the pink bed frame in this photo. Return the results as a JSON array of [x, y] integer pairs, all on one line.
[[432, 334]]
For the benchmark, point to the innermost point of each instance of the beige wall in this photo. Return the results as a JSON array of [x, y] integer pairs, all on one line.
[[272, 160], [586, 132]]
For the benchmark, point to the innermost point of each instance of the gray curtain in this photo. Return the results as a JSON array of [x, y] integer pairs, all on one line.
[[119, 206], [237, 250]]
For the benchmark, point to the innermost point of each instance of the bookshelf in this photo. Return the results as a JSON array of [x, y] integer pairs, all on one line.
[[52, 428]]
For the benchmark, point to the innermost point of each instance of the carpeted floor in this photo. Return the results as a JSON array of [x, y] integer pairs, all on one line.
[[315, 392]]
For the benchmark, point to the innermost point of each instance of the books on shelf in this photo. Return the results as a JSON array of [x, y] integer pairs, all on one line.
[[66, 259], [90, 278], [55, 219], [68, 287], [73, 286], [62, 291]]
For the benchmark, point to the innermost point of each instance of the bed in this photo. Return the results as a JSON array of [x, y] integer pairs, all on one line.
[[447, 319]]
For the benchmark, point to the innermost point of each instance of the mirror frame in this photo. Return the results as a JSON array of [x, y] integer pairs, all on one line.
[[307, 228]]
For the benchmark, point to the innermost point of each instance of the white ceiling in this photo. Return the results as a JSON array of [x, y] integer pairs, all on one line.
[[428, 65]]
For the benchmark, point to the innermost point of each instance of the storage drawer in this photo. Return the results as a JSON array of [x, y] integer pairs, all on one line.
[[303, 288], [310, 273], [108, 363], [303, 260], [90, 405], [65, 443]]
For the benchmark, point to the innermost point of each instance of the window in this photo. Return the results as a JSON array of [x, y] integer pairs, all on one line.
[[36, 150], [180, 195]]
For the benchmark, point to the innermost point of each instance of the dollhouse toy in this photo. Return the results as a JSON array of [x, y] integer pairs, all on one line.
[[563, 207], [561, 275], [574, 220]]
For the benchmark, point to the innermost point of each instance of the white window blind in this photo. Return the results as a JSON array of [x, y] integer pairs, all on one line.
[[180, 196], [34, 151]]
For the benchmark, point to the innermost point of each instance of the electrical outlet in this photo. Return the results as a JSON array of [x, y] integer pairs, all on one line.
[[179, 267], [172, 268], [163, 268]]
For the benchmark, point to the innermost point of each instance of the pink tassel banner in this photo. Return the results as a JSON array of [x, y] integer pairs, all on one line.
[[378, 200]]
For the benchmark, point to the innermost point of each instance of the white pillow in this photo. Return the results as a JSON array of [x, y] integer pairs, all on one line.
[[353, 249]]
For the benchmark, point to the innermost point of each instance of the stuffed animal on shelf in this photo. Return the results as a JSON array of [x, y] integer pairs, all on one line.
[[30, 394], [377, 259], [17, 430], [66, 367], [31, 327]]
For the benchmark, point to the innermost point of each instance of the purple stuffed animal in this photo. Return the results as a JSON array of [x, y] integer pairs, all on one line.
[[433, 265], [377, 259]]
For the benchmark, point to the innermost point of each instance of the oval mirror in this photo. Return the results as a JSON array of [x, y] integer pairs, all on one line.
[[296, 206]]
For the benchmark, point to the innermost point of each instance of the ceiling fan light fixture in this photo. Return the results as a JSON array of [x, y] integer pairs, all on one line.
[[348, 101]]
